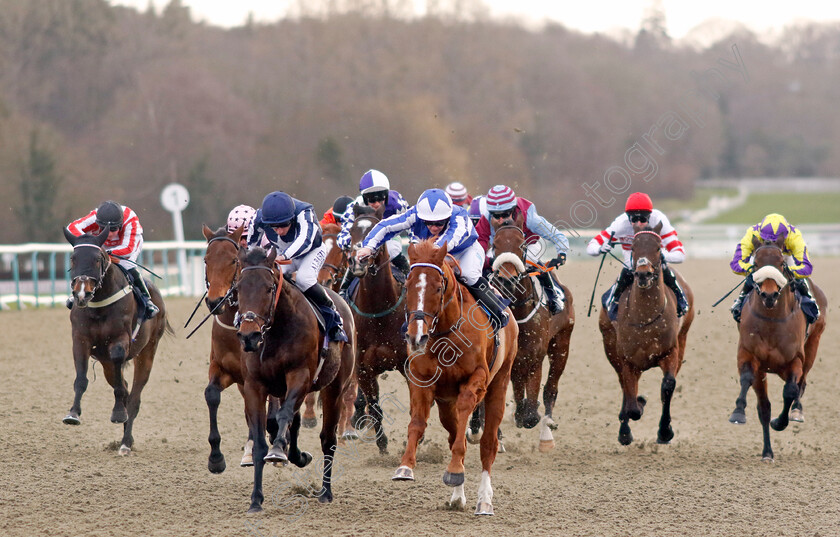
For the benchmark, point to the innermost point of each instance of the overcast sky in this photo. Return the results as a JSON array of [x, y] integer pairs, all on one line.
[[583, 15]]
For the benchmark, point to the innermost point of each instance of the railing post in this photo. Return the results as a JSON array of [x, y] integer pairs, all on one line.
[[35, 278], [16, 276]]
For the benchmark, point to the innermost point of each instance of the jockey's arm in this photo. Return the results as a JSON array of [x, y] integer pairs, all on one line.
[[740, 263], [596, 245], [483, 230], [129, 240], [456, 232], [388, 228], [343, 239], [795, 244], [546, 230], [82, 225], [673, 249], [309, 230]]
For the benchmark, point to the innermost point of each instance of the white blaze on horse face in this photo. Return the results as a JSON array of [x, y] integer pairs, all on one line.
[[328, 245], [421, 295], [363, 225]]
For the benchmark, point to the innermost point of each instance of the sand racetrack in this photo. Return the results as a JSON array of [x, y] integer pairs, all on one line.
[[62, 480]]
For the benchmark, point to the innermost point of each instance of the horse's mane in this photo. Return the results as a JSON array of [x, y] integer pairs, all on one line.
[[360, 210], [255, 255], [425, 249], [221, 232], [329, 229]]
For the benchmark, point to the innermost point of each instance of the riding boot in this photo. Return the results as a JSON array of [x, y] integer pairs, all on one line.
[[671, 281], [495, 305], [346, 282], [555, 303], [335, 326], [69, 303], [624, 281], [806, 301], [140, 284], [749, 285], [401, 263]]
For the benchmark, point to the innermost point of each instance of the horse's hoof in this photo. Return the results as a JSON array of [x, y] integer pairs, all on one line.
[[124, 451], [217, 466], [642, 400], [403, 473], [474, 437], [453, 480], [795, 414], [546, 446], [326, 497], [484, 508], [255, 509], [738, 418], [531, 421], [247, 460], [501, 448], [72, 419], [665, 437], [305, 458], [625, 439], [777, 425], [767, 458], [309, 423], [119, 416], [550, 423], [350, 434], [276, 455]]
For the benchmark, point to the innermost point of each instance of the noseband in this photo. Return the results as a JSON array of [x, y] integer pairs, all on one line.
[[251, 316], [231, 293], [104, 263]]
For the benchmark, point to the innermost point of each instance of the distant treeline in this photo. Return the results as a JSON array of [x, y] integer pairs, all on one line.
[[100, 102]]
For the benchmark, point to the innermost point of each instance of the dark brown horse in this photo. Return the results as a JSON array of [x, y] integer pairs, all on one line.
[[454, 363], [378, 311], [283, 357], [646, 334], [775, 338], [330, 276], [540, 333], [221, 270], [105, 328]]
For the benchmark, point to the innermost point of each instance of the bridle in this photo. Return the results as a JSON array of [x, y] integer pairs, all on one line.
[[644, 261], [230, 296], [251, 316], [334, 270], [104, 264], [420, 315]]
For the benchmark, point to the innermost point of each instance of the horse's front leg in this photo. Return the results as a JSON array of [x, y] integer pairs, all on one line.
[[669, 365], [470, 394], [297, 382], [421, 403], [142, 370], [255, 397], [747, 370], [81, 352], [763, 404], [213, 397], [558, 354], [789, 394], [632, 405]]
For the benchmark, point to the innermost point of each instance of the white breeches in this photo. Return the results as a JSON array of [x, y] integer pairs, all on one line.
[[471, 261], [307, 267]]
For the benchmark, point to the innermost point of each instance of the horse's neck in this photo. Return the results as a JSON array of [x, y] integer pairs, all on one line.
[[784, 306], [452, 302], [382, 287], [113, 281], [652, 297]]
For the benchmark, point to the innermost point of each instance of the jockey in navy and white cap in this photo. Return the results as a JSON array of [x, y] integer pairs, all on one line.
[[502, 204], [375, 191], [292, 227], [435, 216]]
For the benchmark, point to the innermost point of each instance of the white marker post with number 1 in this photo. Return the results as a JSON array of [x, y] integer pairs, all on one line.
[[175, 198]]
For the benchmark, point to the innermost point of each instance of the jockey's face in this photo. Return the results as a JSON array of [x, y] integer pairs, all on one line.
[[282, 229], [113, 235], [639, 220]]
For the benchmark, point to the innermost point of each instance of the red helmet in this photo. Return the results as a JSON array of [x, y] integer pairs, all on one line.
[[638, 201]]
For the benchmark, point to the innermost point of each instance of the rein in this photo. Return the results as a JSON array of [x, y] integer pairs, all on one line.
[[421, 315], [251, 316]]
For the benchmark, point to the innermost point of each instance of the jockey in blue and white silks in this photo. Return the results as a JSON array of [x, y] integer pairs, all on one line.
[[292, 227], [435, 216]]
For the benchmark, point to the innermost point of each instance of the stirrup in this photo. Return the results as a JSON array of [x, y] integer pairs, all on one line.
[[151, 310]]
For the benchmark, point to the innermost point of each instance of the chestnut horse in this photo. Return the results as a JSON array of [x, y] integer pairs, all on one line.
[[104, 327], [540, 333], [221, 270], [454, 363], [646, 333], [283, 357], [774, 337], [330, 276], [378, 311]]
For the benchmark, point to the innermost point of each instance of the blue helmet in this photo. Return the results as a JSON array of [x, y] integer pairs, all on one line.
[[277, 208], [434, 205]]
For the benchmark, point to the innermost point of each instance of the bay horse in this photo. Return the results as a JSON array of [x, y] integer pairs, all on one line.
[[646, 333], [105, 327], [283, 357], [540, 333], [378, 311], [775, 338], [330, 276], [221, 270], [453, 363]]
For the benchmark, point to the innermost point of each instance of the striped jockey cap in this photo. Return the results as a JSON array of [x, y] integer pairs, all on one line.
[[500, 198], [457, 191]]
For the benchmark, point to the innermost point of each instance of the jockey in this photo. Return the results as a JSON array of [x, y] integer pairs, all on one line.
[[638, 215], [125, 240], [436, 216], [241, 216], [772, 228], [475, 209], [291, 226], [458, 192], [335, 214], [501, 203], [375, 190]]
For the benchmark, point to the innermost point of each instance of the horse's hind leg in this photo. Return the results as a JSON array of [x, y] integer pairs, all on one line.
[[531, 415], [81, 351], [332, 403], [142, 370], [449, 420], [296, 456], [310, 420], [470, 393], [670, 365], [476, 426], [558, 354], [347, 408], [494, 403], [790, 394]]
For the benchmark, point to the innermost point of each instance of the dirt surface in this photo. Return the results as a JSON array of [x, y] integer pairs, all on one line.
[[64, 480]]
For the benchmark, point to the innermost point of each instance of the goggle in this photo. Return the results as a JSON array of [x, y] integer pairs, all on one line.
[[287, 223], [374, 197], [502, 214], [639, 217], [111, 226], [437, 223]]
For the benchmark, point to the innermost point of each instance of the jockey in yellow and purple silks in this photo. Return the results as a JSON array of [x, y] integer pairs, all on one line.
[[770, 229]]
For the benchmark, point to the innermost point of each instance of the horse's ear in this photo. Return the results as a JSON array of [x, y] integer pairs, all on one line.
[[358, 209], [658, 228], [102, 237], [237, 233], [440, 253], [272, 255], [780, 242], [756, 242], [69, 236], [208, 233], [412, 251]]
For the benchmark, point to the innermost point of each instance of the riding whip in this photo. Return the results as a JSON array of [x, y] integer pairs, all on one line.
[[136, 263], [604, 256], [195, 309]]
